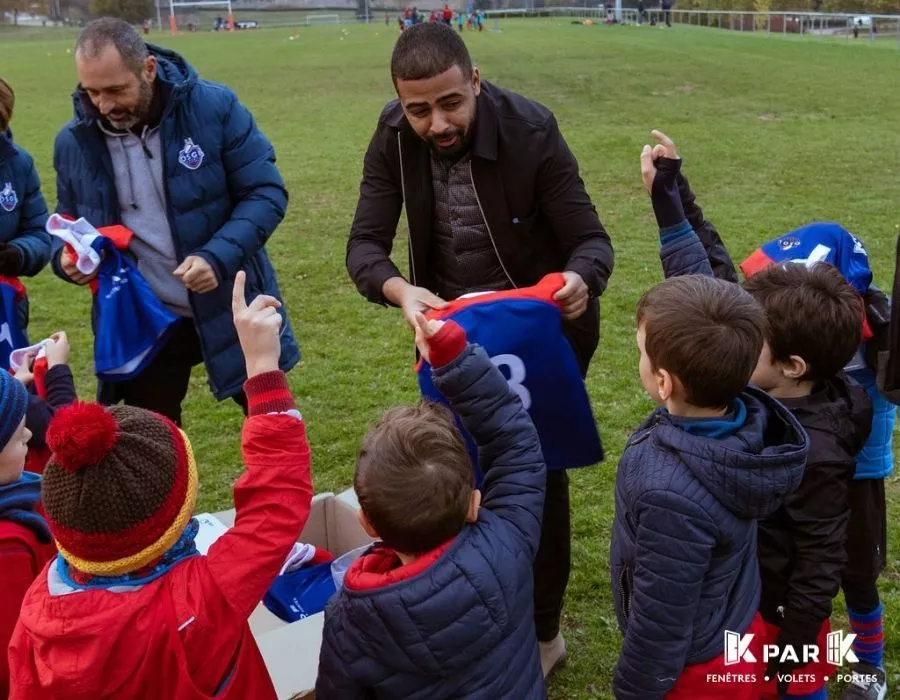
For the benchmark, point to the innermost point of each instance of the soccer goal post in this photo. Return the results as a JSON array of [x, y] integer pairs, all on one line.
[[179, 4], [312, 20]]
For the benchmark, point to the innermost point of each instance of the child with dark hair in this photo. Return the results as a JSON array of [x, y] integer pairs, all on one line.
[[814, 329], [443, 606], [866, 530], [694, 478]]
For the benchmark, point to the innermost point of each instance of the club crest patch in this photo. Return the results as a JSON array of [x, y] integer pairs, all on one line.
[[8, 197], [788, 242], [191, 156]]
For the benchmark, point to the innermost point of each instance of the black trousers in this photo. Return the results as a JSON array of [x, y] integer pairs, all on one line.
[[553, 561], [866, 544], [554, 557], [162, 386]]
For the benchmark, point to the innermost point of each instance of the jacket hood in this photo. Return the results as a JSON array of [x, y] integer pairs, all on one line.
[[85, 638], [838, 417], [437, 622], [753, 469], [174, 77], [7, 145]]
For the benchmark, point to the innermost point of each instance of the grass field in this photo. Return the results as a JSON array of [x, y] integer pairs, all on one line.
[[774, 133]]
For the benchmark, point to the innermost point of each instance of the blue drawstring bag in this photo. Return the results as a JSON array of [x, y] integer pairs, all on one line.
[[298, 594], [132, 325]]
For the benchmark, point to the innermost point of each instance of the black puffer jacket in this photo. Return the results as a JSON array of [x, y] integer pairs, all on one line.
[[802, 546]]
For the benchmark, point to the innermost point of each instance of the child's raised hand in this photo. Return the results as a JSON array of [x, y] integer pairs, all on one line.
[[57, 349], [425, 330], [258, 327], [665, 148]]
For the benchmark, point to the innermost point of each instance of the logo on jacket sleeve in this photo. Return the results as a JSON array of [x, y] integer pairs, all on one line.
[[191, 156], [8, 197]]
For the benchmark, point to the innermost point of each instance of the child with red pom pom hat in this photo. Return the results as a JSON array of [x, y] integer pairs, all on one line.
[[25, 542], [129, 608]]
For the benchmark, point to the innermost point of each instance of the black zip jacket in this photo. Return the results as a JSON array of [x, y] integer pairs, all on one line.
[[802, 546], [538, 214]]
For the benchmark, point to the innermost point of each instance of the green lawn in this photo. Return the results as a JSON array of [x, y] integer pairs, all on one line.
[[774, 133]]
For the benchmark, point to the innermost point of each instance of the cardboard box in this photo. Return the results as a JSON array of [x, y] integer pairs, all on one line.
[[291, 651]]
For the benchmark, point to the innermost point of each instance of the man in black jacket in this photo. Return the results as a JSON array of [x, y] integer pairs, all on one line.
[[493, 201]]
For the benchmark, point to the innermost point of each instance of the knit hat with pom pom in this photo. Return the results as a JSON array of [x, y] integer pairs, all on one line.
[[119, 489]]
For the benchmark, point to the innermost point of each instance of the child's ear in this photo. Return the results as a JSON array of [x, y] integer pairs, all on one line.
[[366, 525], [795, 367], [665, 384], [474, 505]]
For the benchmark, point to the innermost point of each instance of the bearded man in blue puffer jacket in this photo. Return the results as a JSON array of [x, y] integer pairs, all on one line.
[[180, 162]]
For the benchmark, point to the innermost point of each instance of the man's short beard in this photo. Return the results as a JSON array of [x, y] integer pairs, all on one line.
[[139, 113], [464, 140]]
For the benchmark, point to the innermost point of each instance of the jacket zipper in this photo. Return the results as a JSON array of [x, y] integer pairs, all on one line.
[[645, 433], [412, 257], [626, 603], [488, 227], [178, 248]]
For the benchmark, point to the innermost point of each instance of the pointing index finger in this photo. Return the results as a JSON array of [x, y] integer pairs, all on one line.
[[665, 141], [238, 300]]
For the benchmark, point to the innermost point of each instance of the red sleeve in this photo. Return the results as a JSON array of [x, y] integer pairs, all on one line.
[[18, 569], [272, 498]]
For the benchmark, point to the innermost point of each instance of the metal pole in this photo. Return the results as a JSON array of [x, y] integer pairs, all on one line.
[[768, 24], [158, 17]]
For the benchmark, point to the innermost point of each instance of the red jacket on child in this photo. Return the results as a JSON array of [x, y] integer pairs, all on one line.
[[183, 636], [22, 556]]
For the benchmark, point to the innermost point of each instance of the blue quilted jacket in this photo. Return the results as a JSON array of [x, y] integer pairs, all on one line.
[[683, 555], [224, 210], [463, 627], [23, 213]]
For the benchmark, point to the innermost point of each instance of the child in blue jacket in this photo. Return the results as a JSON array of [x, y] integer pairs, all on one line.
[[442, 607], [715, 457], [24, 244]]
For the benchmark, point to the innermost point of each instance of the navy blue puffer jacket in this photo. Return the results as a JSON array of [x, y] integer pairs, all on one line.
[[224, 210], [464, 626], [683, 558], [23, 213]]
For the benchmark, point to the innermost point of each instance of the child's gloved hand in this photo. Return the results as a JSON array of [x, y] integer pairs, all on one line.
[[258, 327], [439, 342], [10, 260], [57, 349], [660, 166]]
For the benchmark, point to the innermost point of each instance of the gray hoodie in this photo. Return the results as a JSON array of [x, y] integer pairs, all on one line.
[[138, 169]]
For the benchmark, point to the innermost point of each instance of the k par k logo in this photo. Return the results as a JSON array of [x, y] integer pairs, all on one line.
[[837, 650]]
